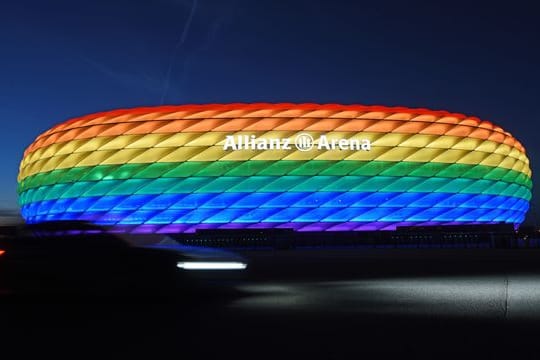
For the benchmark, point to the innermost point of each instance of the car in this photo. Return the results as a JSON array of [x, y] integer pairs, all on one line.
[[71, 257]]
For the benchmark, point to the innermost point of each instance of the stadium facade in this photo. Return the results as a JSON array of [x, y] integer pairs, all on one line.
[[309, 167]]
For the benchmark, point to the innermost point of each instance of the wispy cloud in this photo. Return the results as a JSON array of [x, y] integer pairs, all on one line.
[[140, 79], [178, 45]]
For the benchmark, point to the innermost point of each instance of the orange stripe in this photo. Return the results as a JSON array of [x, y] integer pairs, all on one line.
[[260, 106], [161, 120], [204, 126], [111, 130]]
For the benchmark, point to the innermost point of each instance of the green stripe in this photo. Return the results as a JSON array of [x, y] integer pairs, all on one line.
[[273, 168], [209, 184]]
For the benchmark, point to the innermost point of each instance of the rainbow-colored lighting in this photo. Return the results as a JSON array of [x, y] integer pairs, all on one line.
[[166, 169]]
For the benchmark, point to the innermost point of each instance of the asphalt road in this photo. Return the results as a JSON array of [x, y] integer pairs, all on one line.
[[320, 304]]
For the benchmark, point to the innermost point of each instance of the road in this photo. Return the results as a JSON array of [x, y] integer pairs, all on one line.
[[320, 304]]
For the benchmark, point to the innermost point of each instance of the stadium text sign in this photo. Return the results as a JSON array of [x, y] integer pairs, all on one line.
[[302, 142]]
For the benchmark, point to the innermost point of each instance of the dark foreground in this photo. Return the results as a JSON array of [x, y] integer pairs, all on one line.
[[309, 304]]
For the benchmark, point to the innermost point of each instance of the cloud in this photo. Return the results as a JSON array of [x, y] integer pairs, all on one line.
[[178, 45], [140, 79]]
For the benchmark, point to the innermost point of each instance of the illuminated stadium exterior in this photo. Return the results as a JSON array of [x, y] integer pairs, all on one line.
[[309, 167]]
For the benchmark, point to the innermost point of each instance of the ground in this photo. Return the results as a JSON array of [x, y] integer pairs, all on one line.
[[318, 303]]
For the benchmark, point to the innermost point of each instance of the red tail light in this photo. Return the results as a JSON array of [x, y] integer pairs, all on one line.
[[2, 252]]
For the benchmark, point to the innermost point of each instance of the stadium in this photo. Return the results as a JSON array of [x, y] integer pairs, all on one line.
[[307, 167]]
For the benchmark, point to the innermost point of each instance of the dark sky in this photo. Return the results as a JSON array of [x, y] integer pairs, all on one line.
[[61, 59]]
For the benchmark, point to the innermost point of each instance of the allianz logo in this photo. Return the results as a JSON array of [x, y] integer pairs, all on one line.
[[301, 142]]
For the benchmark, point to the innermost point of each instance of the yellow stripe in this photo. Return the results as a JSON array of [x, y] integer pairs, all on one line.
[[216, 153], [218, 138]]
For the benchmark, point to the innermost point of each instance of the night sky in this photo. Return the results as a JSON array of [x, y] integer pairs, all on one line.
[[62, 59]]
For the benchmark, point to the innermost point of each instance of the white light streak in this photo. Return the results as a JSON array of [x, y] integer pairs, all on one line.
[[222, 265]]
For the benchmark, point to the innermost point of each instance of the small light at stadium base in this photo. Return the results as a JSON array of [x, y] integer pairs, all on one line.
[[199, 265]]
